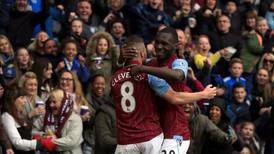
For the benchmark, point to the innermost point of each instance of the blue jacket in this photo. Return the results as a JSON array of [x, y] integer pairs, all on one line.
[[230, 81], [145, 21], [82, 72]]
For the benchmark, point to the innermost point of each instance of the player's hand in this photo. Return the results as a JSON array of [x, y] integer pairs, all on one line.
[[128, 52], [136, 70], [210, 92]]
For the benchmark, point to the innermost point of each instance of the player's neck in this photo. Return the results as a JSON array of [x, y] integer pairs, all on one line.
[[133, 62]]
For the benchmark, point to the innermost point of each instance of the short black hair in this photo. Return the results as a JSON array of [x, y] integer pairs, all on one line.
[[237, 85], [170, 33]]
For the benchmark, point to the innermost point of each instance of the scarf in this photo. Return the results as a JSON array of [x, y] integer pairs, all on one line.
[[54, 123]]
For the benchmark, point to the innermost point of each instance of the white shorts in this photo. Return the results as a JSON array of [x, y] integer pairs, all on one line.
[[152, 146], [173, 146]]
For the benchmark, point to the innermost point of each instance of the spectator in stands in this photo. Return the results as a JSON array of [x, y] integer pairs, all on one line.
[[248, 136], [72, 62], [233, 12], [20, 22], [34, 107], [52, 50], [97, 98], [102, 53], [38, 43], [206, 17], [115, 12], [105, 129], [62, 125], [17, 127], [7, 60], [204, 60], [182, 50], [145, 19], [69, 82], [252, 47], [118, 32], [223, 38], [203, 129], [238, 107], [267, 33], [236, 70], [247, 149], [76, 33], [267, 62], [4, 140], [217, 113], [184, 16], [44, 71], [23, 62], [261, 94], [269, 16], [90, 20]]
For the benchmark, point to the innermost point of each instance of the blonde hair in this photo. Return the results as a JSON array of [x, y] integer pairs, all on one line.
[[23, 79], [57, 94], [3, 37]]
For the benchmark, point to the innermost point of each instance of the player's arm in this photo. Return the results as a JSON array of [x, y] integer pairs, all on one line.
[[163, 89], [186, 97], [177, 73]]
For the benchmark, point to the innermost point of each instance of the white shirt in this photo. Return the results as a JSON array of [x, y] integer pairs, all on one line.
[[10, 126]]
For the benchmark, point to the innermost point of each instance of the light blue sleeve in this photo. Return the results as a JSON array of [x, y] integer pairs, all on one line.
[[180, 64], [159, 85]]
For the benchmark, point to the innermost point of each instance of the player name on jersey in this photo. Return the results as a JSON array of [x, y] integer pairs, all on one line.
[[126, 75]]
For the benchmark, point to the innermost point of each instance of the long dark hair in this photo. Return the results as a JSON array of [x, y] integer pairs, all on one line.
[[39, 68], [12, 93]]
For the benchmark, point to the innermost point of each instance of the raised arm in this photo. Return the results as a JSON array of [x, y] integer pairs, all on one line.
[[163, 89], [186, 97], [177, 73]]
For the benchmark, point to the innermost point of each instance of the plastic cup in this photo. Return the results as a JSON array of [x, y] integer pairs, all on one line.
[[84, 109]]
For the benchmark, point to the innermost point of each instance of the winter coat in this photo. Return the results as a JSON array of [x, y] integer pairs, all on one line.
[[202, 129], [105, 130], [71, 136]]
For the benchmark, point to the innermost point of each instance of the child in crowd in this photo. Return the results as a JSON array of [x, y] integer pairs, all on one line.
[[23, 62], [102, 53], [238, 108], [204, 60], [73, 63], [204, 55], [248, 136], [236, 70], [77, 35]]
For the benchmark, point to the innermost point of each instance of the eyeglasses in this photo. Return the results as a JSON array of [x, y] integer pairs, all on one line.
[[66, 79], [267, 60]]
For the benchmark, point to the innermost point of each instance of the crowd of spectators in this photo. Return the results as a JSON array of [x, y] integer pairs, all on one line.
[[58, 57]]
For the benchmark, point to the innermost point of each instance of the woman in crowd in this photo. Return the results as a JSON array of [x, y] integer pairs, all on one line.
[[218, 116], [23, 62], [102, 53], [17, 127], [38, 43], [62, 125], [7, 60], [69, 82], [4, 140], [261, 93], [45, 83], [267, 62], [33, 107]]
